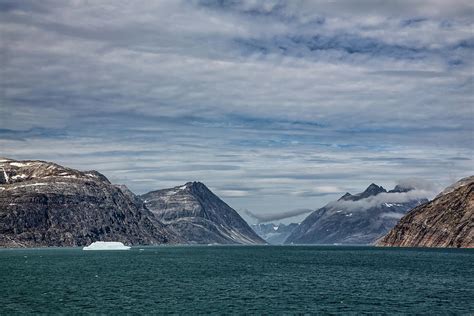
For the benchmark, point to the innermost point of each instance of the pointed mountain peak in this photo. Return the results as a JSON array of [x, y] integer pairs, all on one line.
[[199, 216], [345, 197], [373, 189], [193, 186]]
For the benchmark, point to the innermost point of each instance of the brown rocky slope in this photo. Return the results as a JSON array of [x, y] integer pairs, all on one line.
[[446, 221]]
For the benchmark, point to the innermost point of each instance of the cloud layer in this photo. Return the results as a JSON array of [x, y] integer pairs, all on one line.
[[275, 105], [383, 198], [265, 218]]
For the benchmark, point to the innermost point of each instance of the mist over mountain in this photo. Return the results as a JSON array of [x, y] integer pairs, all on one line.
[[358, 219], [268, 217]]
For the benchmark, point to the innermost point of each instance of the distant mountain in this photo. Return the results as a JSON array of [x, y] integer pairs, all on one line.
[[356, 219], [371, 190], [446, 221], [199, 216], [274, 234], [45, 204]]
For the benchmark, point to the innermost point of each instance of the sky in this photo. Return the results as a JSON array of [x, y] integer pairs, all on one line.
[[276, 106]]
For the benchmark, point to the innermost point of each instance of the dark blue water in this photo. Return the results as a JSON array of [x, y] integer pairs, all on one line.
[[255, 280]]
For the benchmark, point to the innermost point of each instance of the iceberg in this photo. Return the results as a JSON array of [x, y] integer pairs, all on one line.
[[106, 245]]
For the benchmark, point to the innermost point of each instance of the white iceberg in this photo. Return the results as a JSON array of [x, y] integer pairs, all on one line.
[[106, 245]]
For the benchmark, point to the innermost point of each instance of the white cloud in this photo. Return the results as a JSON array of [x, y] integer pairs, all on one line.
[[381, 198], [236, 96]]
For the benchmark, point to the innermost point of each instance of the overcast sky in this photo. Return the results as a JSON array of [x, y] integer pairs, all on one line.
[[274, 105]]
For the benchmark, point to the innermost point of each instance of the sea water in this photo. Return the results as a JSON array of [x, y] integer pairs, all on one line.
[[237, 279]]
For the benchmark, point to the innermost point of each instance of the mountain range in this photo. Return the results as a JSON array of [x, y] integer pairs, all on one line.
[[45, 204], [356, 219], [274, 234]]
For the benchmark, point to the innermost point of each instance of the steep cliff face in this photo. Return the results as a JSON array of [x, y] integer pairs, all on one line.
[[199, 216], [356, 219], [45, 204], [446, 221]]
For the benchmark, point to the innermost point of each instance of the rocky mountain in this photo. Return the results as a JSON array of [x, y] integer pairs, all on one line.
[[45, 204], [274, 234], [356, 219], [371, 190], [199, 216], [446, 221]]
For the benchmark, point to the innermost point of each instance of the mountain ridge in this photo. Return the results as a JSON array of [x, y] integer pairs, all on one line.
[[199, 215], [354, 219], [45, 204]]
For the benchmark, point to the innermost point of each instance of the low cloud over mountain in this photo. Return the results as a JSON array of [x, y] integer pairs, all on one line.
[[268, 217]]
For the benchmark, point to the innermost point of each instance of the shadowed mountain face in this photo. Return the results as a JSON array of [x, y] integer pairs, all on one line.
[[274, 234], [199, 216], [356, 219], [446, 221], [45, 204]]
